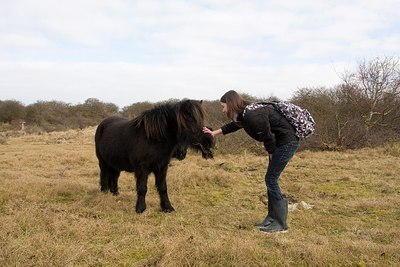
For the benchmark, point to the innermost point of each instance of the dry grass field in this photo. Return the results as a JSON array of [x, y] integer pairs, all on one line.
[[53, 214]]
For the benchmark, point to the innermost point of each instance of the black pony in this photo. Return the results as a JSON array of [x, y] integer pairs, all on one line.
[[146, 145]]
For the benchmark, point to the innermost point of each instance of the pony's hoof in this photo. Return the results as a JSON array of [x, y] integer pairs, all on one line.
[[104, 190], [140, 209], [170, 209]]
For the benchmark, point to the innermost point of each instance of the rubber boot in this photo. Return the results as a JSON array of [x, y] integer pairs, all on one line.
[[270, 217], [280, 208]]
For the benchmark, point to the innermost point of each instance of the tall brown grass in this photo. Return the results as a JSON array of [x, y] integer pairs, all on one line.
[[53, 214]]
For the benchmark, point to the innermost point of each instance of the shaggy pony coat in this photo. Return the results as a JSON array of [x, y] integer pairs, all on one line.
[[146, 145]]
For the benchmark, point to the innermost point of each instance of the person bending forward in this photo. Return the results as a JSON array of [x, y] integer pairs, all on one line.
[[263, 123]]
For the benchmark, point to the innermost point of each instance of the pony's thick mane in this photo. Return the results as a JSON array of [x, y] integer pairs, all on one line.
[[155, 121], [196, 112]]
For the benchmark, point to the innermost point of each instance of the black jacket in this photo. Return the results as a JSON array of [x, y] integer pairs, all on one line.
[[264, 124]]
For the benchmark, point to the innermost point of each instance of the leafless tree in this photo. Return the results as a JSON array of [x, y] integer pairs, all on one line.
[[376, 87]]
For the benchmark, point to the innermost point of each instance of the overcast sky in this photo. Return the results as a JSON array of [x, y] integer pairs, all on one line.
[[124, 51]]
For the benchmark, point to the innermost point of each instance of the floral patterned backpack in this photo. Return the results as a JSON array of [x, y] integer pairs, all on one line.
[[300, 118]]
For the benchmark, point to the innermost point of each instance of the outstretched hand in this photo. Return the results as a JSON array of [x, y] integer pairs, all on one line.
[[208, 131]]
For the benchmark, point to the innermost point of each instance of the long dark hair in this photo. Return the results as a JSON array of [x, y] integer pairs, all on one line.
[[189, 116], [235, 103]]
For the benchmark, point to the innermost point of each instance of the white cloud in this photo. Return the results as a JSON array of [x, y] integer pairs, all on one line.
[[87, 22], [12, 40], [390, 43], [125, 83], [127, 51]]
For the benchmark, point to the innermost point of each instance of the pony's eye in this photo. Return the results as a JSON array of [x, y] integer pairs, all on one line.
[[190, 118]]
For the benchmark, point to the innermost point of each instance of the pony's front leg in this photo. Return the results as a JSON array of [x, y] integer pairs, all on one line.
[[141, 189], [161, 183]]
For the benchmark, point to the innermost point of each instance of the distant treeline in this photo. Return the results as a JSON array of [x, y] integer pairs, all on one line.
[[364, 110]]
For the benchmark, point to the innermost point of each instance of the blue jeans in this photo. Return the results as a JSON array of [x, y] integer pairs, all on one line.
[[277, 164]]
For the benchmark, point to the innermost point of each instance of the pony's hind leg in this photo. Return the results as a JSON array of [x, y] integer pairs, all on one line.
[[109, 179], [113, 181], [104, 183]]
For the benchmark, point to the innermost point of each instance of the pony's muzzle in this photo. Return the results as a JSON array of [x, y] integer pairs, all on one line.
[[207, 154]]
